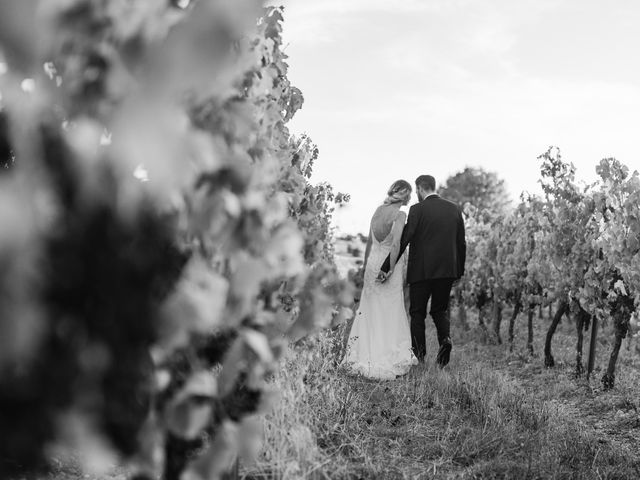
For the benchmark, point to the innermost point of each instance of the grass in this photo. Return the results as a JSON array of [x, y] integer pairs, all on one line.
[[490, 414]]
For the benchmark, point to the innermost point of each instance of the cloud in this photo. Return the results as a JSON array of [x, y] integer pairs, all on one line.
[[333, 7], [326, 21], [396, 88]]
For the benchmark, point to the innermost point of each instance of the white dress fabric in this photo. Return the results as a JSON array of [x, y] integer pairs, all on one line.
[[379, 344]]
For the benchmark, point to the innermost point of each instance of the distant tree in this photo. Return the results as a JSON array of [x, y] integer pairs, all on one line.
[[484, 190]]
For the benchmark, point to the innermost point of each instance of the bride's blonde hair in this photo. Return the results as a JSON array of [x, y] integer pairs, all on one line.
[[399, 192]]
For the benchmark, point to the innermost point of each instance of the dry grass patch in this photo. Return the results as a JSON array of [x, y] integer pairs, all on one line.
[[468, 421]]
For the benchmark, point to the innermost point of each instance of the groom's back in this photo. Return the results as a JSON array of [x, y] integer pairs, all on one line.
[[438, 247]]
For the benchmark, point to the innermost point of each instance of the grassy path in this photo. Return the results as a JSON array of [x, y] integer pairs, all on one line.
[[490, 414], [613, 415]]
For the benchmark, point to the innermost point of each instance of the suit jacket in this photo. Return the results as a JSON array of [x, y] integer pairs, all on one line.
[[435, 233]]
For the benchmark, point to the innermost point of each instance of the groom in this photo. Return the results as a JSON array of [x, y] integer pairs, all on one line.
[[435, 233]]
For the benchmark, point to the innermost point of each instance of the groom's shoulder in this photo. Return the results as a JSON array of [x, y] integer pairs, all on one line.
[[446, 206], [445, 202], [451, 203]]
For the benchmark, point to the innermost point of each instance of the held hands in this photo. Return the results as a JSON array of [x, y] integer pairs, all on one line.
[[383, 277]]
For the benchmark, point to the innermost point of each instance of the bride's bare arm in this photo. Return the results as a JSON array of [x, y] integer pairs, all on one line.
[[398, 226], [367, 250]]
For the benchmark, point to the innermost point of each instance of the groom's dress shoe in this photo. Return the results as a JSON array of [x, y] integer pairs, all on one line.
[[443, 354]]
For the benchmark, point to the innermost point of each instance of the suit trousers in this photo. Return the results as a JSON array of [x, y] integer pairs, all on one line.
[[439, 290]]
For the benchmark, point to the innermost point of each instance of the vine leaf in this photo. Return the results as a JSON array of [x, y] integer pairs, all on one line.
[[218, 459], [189, 412]]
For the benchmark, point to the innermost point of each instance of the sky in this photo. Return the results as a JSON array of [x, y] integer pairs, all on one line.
[[398, 88]]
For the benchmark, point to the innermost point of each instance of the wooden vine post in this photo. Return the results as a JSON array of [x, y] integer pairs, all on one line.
[[592, 345]]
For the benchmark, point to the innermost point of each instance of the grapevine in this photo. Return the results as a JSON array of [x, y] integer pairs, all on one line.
[[166, 240]]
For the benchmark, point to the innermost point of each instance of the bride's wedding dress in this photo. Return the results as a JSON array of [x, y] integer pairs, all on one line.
[[379, 344]]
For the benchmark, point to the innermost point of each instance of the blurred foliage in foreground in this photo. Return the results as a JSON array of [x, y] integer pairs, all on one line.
[[161, 241]]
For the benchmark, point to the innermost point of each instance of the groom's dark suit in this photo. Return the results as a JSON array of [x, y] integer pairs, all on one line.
[[437, 253]]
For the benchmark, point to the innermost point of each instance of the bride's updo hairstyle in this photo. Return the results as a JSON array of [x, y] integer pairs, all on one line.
[[399, 192]]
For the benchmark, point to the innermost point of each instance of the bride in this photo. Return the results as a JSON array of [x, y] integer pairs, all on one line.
[[379, 344]]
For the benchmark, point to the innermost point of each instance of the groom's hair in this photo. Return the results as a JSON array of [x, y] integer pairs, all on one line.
[[427, 182]]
